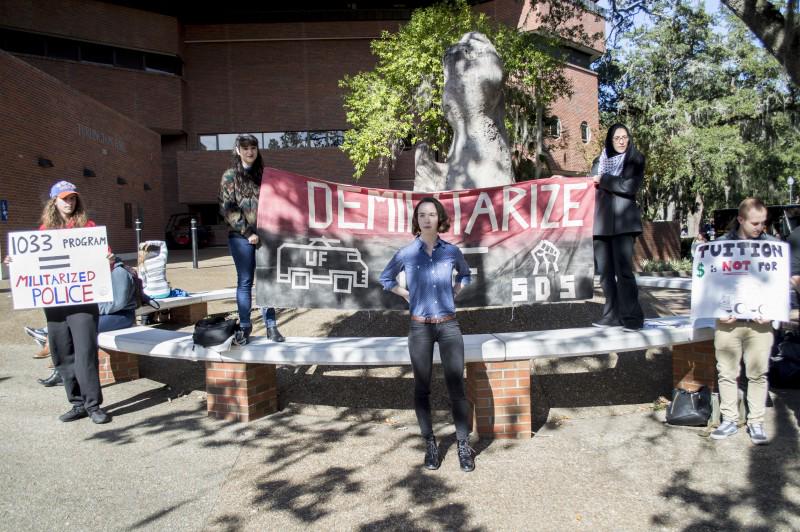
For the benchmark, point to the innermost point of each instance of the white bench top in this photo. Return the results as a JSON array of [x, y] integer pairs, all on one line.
[[197, 297], [652, 281], [393, 350]]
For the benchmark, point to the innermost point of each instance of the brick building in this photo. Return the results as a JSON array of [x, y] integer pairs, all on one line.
[[138, 102]]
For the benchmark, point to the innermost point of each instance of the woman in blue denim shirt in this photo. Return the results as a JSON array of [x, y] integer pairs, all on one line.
[[428, 263]]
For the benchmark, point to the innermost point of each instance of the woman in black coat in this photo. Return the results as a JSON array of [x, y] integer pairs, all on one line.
[[618, 174]]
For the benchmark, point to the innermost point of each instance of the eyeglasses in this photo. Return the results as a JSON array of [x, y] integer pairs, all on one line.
[[621, 138]]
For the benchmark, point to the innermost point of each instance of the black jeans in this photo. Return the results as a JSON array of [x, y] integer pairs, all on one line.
[[72, 334], [614, 258], [421, 338]]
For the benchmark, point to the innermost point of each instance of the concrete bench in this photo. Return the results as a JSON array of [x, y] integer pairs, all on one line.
[[189, 309], [241, 382]]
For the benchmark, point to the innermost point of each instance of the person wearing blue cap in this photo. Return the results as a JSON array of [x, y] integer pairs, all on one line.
[[72, 330]]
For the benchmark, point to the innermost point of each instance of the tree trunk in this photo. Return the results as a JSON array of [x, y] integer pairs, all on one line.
[[538, 153], [779, 34]]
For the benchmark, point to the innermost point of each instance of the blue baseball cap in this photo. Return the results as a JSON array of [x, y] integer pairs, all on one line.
[[62, 189]]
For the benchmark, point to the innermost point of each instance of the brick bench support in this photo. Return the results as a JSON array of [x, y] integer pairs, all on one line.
[[694, 365], [500, 393], [115, 366], [241, 392], [188, 314]]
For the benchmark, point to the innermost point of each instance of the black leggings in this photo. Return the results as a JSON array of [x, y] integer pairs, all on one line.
[[421, 338], [72, 334]]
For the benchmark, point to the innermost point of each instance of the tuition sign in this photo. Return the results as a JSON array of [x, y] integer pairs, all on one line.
[[742, 278], [59, 267]]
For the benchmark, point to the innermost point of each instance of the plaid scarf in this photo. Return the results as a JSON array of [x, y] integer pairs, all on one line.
[[611, 165]]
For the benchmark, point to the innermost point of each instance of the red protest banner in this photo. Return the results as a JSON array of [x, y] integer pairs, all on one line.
[[326, 243]]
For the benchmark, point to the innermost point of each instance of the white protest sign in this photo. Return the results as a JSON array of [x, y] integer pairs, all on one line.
[[742, 278], [59, 267]]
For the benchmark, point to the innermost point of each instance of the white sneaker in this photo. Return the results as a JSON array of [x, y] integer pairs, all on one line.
[[757, 434], [725, 430]]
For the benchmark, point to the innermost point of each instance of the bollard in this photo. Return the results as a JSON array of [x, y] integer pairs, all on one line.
[[194, 243], [138, 233]]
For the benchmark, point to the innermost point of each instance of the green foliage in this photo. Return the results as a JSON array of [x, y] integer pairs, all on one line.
[[399, 102], [712, 111], [678, 265]]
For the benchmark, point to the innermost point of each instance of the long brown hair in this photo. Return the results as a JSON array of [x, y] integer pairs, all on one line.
[[52, 219]]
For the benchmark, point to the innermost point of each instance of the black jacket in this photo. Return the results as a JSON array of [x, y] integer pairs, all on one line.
[[615, 208]]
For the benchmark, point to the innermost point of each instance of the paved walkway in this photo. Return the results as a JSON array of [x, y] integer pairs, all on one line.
[[343, 453]]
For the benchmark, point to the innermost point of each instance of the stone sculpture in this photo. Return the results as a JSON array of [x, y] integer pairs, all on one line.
[[474, 107]]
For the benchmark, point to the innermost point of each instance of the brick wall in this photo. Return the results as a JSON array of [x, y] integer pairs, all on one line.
[[94, 21], [43, 117], [284, 79], [568, 154], [659, 241], [153, 99], [250, 77]]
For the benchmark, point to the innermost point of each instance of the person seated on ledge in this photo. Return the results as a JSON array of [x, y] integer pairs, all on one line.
[[152, 268]]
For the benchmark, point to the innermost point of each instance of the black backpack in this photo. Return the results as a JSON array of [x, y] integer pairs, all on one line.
[[213, 331]]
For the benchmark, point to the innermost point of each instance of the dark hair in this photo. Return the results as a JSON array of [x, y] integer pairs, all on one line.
[[609, 146], [254, 173], [444, 219]]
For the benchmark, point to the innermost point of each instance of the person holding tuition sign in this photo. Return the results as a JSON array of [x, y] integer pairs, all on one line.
[[428, 263], [72, 329], [238, 204], [748, 340]]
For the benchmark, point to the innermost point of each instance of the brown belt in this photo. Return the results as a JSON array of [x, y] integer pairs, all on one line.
[[433, 320]]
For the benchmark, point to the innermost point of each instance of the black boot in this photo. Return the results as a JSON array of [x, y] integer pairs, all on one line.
[[274, 334], [53, 380], [466, 456], [431, 453]]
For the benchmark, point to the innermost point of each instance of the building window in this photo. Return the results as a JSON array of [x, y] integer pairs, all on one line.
[[586, 133], [63, 49], [208, 142], [96, 53], [552, 127], [128, 59], [128, 215], [59, 48], [225, 141], [276, 140], [163, 63]]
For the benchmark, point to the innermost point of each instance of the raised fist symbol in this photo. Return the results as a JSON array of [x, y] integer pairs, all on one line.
[[545, 253]]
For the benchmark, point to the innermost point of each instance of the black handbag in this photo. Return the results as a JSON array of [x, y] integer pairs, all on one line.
[[213, 331], [689, 409]]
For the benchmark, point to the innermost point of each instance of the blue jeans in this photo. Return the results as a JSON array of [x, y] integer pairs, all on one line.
[[116, 321], [244, 258]]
